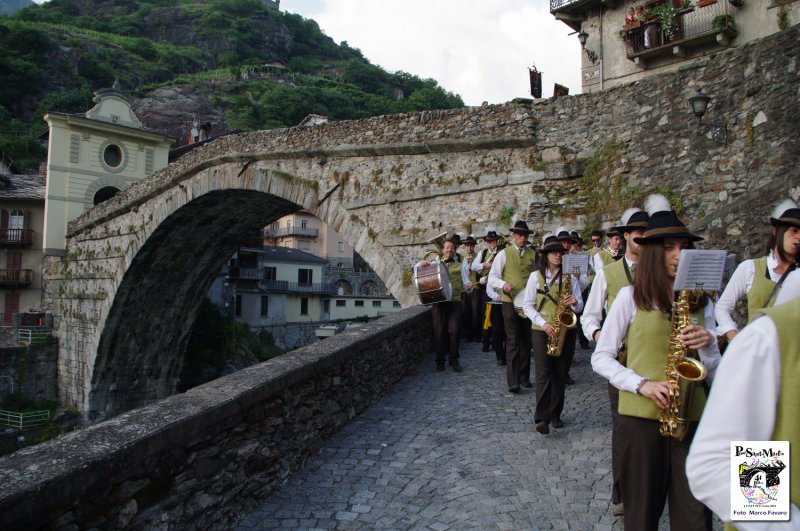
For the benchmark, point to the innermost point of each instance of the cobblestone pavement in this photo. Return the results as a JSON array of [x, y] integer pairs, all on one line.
[[453, 450]]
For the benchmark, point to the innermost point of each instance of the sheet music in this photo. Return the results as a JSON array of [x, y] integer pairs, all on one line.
[[576, 260], [700, 269]]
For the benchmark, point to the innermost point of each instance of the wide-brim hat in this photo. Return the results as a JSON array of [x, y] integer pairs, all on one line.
[[469, 240], [551, 245], [665, 225], [520, 227], [632, 219], [491, 236], [786, 213], [565, 235], [576, 237]]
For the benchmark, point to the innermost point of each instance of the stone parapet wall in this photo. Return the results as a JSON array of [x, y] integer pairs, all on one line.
[[201, 459]]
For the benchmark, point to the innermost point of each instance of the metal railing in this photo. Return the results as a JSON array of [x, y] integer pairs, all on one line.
[[246, 273], [32, 335], [16, 236], [290, 231], [16, 276], [555, 5], [298, 287], [647, 36], [22, 421]]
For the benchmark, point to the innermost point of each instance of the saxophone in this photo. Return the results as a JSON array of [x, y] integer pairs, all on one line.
[[683, 373], [563, 319]]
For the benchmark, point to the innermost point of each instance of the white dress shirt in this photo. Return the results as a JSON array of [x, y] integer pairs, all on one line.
[[739, 285], [529, 303], [592, 318], [619, 318], [492, 294], [753, 357], [496, 272], [597, 262]]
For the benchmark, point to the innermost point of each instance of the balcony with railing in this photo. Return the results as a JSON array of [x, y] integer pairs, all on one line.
[[16, 277], [284, 286], [281, 232], [245, 273], [579, 6], [16, 236], [665, 30]]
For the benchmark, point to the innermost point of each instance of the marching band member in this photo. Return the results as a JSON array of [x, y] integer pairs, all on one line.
[[472, 317], [605, 287], [481, 266], [608, 254], [760, 279], [510, 270], [447, 314], [543, 293], [577, 247], [763, 357], [498, 327], [655, 465]]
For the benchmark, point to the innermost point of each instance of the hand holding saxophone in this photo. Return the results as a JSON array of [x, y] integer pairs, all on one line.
[[550, 330], [695, 337], [658, 392]]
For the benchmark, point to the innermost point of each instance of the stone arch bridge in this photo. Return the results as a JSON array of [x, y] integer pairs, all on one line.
[[138, 265]]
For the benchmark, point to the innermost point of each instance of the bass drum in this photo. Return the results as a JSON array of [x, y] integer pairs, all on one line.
[[433, 283], [519, 298]]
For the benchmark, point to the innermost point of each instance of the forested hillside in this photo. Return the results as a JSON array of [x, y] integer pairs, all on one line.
[[224, 60]]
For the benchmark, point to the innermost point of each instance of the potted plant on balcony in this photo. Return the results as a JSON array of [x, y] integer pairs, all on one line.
[[725, 23], [667, 16]]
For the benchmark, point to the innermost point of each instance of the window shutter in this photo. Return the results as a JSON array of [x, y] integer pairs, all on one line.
[[75, 149], [27, 220], [4, 219]]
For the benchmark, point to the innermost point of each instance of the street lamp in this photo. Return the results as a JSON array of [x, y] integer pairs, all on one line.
[[582, 36], [699, 104]]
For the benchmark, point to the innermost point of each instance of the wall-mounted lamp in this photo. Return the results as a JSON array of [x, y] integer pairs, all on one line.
[[582, 36], [699, 104]]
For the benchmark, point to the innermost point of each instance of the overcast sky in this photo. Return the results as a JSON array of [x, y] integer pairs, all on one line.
[[480, 50]]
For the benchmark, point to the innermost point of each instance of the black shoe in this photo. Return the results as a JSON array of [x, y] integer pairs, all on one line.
[[514, 389], [440, 366], [485, 349], [526, 384], [558, 424], [455, 365], [501, 363], [542, 427], [569, 380]]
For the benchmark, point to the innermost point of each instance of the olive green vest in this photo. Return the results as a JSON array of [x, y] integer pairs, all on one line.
[[648, 345], [760, 290], [517, 269], [454, 270], [787, 425], [548, 309], [605, 256], [616, 279]]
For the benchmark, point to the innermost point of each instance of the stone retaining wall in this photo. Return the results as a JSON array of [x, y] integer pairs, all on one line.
[[201, 459], [32, 369]]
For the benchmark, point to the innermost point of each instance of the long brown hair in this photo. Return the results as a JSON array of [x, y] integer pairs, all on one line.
[[776, 241], [652, 285]]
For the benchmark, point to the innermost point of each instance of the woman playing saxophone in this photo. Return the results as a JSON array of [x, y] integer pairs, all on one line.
[[546, 291], [654, 465]]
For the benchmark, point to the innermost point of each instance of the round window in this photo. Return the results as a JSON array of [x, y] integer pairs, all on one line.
[[112, 155], [104, 194]]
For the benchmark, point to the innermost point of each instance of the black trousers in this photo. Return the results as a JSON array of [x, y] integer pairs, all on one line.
[[518, 345], [473, 316], [550, 375], [446, 328], [654, 471], [498, 332], [616, 458]]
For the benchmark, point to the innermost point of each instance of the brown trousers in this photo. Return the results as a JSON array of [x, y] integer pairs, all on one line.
[[654, 471]]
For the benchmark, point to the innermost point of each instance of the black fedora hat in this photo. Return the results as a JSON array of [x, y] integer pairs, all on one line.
[[576, 237], [664, 223], [520, 227], [552, 244], [563, 234], [469, 240], [633, 219], [491, 236], [786, 213]]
